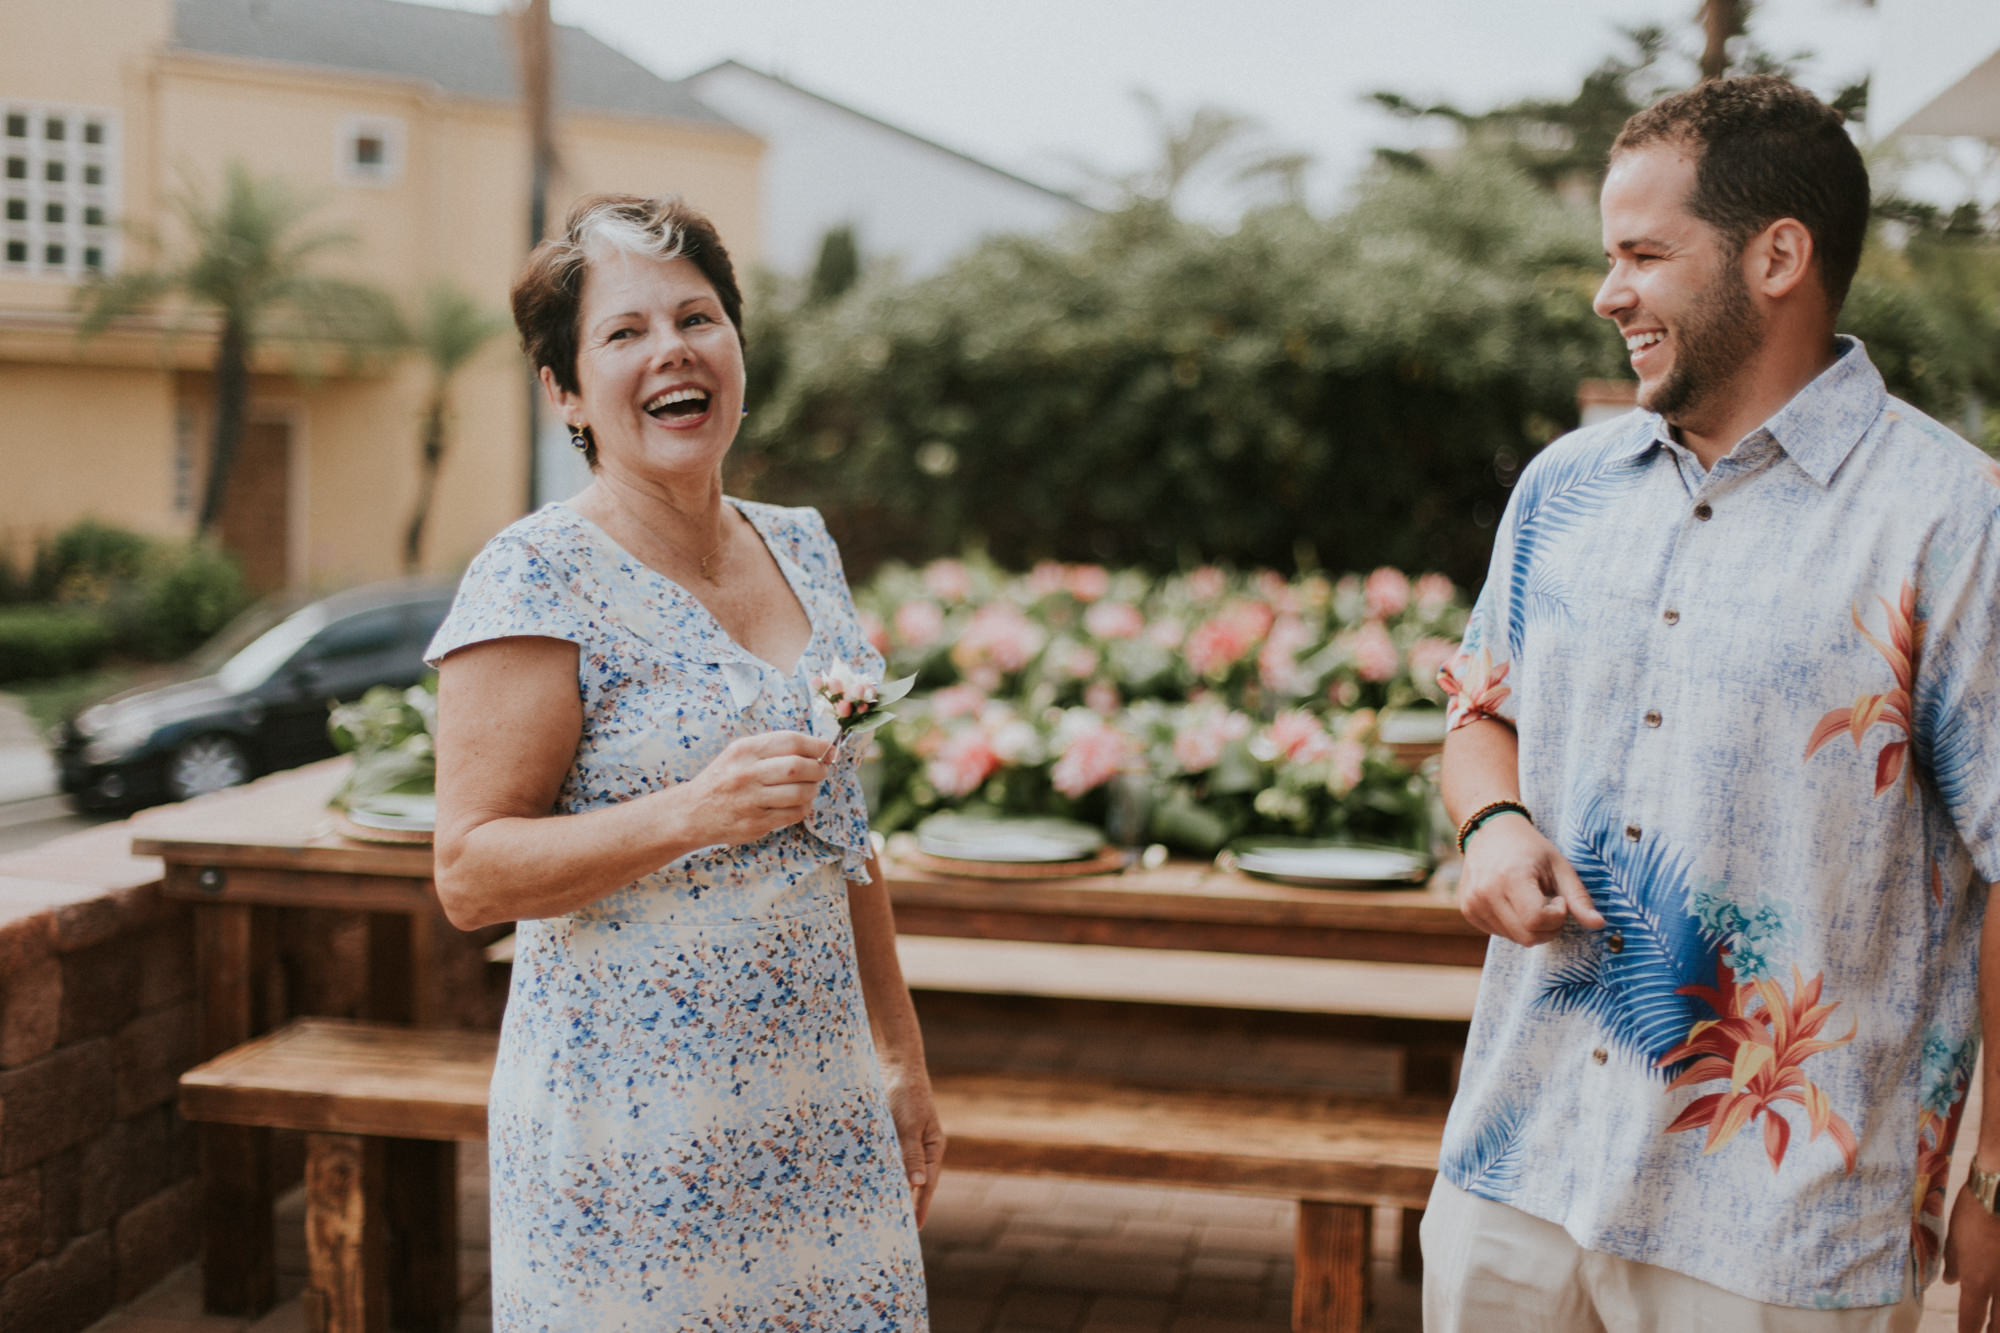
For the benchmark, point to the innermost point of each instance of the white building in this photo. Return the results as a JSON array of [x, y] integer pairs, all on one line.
[[1939, 69], [827, 165]]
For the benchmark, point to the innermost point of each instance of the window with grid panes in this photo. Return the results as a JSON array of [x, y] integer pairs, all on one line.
[[60, 187]]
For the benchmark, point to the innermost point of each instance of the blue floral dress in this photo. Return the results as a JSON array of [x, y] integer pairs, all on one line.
[[688, 1127]]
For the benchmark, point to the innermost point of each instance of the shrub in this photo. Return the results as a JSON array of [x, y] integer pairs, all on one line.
[[38, 641], [86, 562], [187, 593]]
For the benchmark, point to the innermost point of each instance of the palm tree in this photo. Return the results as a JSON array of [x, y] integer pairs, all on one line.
[[247, 258], [448, 332]]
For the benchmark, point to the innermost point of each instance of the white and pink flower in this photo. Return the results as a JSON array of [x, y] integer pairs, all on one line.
[[1386, 593], [1375, 656], [1114, 620]]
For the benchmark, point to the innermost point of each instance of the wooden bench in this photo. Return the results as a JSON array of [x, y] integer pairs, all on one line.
[[357, 1089]]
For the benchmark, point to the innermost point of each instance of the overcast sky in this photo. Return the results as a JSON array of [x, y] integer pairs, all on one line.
[[1037, 85]]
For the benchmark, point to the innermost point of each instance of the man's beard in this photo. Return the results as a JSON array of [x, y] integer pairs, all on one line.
[[1713, 343]]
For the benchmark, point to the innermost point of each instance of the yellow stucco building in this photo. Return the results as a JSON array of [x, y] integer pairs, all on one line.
[[402, 121]]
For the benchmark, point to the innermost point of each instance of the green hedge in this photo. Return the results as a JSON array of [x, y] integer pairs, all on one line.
[[41, 641]]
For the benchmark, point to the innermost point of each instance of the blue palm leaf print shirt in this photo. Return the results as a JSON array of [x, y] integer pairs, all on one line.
[[1759, 711]]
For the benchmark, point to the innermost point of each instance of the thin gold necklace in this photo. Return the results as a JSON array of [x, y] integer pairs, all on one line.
[[713, 576]]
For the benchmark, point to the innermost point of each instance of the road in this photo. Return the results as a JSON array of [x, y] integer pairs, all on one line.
[[29, 823]]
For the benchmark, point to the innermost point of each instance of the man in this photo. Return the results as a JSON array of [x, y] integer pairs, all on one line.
[[1726, 745]]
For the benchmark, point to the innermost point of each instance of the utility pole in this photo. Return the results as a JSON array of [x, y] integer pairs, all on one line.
[[534, 45]]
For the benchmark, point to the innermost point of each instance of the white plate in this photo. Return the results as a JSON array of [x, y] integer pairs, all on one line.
[[980, 838], [402, 814], [1333, 864]]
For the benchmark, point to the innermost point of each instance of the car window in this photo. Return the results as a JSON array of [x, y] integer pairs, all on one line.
[[254, 664], [360, 635]]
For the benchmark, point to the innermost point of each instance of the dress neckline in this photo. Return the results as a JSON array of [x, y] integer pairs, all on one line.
[[794, 580]]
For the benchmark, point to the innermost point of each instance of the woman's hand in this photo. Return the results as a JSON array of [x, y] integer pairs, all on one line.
[[759, 784], [919, 1134]]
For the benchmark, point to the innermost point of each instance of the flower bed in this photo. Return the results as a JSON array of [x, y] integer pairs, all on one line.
[[1188, 710]]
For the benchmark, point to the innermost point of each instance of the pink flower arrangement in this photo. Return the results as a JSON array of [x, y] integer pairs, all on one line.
[[1434, 593], [948, 580], [919, 623], [1375, 655], [1102, 697], [1114, 620], [1087, 583], [962, 764], [1000, 636], [1207, 583], [1095, 753], [1296, 736], [1224, 639], [957, 701], [1204, 732], [1386, 593], [1278, 659]]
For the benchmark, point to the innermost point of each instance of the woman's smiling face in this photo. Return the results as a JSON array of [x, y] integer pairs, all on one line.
[[659, 367]]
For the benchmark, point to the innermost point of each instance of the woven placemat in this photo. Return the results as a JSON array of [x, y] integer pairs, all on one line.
[[1104, 863]]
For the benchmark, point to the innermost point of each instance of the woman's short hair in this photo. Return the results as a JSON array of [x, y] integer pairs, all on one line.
[[548, 295], [1766, 149]]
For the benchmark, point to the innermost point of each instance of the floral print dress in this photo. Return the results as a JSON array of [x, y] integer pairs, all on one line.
[[688, 1126]]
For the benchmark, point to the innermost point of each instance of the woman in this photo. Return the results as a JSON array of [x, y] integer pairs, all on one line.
[[692, 1125]]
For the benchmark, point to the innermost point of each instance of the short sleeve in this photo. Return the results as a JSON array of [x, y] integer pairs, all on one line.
[[1944, 642], [510, 590], [1475, 681]]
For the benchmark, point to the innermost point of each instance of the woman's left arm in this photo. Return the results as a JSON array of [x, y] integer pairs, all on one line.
[[893, 1020]]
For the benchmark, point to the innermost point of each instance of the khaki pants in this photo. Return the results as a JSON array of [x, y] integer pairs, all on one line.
[[1489, 1268]]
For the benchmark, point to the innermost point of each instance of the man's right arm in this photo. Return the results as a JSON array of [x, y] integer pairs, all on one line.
[[1514, 882]]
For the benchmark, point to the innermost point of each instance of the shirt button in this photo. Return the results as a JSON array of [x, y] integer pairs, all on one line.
[[1600, 1055], [1703, 512], [1653, 717], [1615, 943], [1671, 616], [1631, 833]]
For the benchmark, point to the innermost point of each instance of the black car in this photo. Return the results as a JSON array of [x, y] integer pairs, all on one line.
[[253, 701]]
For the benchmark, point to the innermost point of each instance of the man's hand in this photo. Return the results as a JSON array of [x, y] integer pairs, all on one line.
[[1517, 885], [1972, 1259]]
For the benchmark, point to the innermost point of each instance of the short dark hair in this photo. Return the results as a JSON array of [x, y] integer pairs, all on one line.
[[548, 294], [1766, 149]]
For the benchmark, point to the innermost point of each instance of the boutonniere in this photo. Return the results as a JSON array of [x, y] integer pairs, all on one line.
[[847, 703]]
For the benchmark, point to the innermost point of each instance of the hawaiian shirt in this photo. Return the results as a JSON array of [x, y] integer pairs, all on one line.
[[1758, 709]]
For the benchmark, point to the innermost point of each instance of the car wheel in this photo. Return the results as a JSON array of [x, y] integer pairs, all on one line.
[[206, 764]]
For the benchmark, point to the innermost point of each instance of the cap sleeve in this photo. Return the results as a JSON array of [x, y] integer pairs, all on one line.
[[511, 589]]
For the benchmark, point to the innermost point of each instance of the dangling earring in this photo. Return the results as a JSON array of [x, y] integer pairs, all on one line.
[[746, 409], [579, 437]]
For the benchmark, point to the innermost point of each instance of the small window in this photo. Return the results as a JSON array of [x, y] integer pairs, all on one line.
[[93, 216], [93, 174], [54, 173], [93, 258], [370, 150], [17, 168], [55, 130], [93, 131], [17, 125], [17, 210], [53, 213], [53, 254], [17, 252]]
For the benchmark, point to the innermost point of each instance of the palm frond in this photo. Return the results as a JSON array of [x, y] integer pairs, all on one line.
[[1644, 893], [1946, 746], [1492, 1159], [1552, 499], [451, 327], [101, 300]]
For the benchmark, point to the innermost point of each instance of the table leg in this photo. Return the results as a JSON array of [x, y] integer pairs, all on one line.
[[345, 1248], [238, 1250], [423, 1234], [1330, 1267]]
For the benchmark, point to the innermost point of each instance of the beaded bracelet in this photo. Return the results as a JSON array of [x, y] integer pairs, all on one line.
[[1486, 812]]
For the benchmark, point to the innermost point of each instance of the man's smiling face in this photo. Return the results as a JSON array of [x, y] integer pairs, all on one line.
[[1675, 290]]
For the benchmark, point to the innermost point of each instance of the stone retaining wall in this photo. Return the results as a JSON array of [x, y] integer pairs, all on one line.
[[99, 1195]]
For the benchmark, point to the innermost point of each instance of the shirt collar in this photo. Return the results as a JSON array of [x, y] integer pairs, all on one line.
[[1822, 423]]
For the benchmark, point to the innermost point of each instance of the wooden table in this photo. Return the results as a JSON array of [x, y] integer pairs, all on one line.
[[240, 855], [237, 856]]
